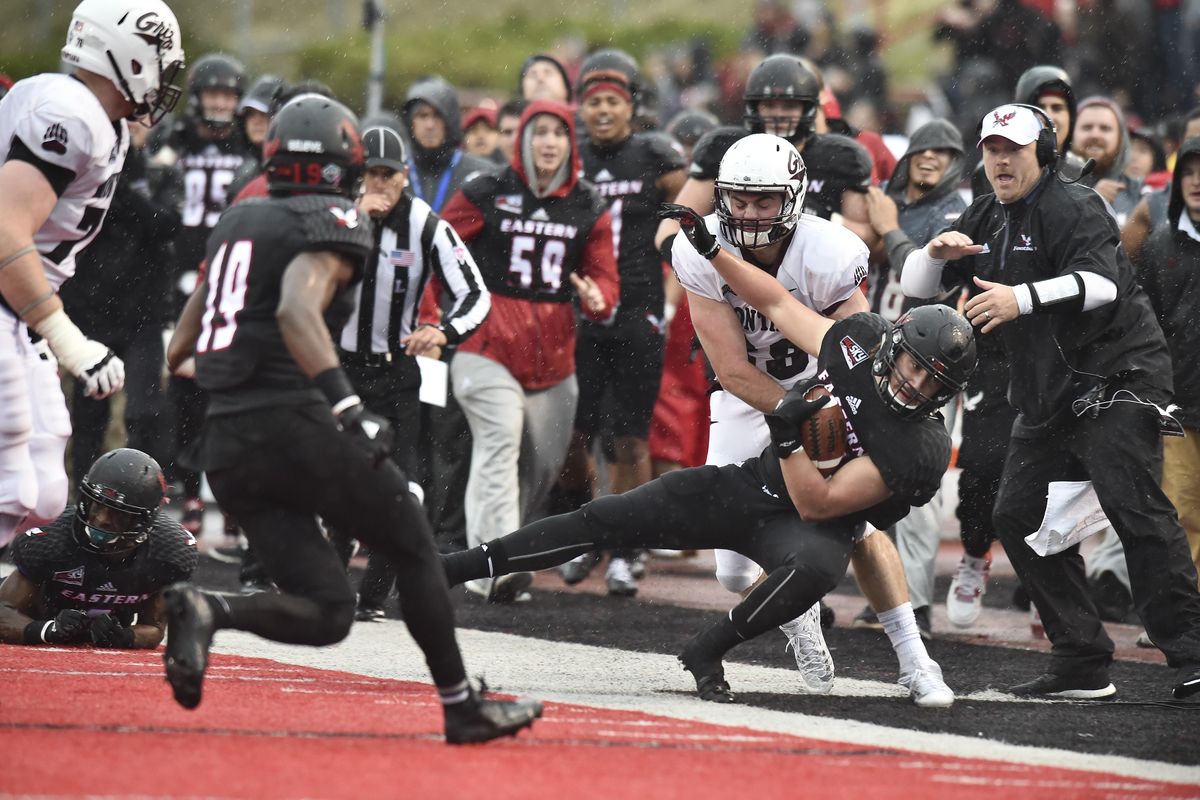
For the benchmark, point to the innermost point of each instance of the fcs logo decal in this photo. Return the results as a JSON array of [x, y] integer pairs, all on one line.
[[74, 577], [347, 218], [1003, 121], [853, 351]]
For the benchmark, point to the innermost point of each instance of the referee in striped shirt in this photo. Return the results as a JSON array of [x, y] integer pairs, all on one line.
[[381, 338]]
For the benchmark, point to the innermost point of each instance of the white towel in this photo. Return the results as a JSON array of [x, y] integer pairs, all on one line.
[[1073, 514]]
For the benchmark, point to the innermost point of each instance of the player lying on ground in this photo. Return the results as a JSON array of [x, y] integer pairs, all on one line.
[[778, 509]]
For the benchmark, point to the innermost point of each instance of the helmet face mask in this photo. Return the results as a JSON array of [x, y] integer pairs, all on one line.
[[216, 86], [939, 342], [117, 501], [756, 165], [136, 45]]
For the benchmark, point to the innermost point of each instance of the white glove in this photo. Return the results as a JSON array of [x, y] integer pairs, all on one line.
[[86, 359]]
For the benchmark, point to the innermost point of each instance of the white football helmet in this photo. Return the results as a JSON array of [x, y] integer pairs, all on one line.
[[136, 44], [760, 163]]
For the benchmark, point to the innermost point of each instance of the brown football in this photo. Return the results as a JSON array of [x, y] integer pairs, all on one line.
[[823, 435]]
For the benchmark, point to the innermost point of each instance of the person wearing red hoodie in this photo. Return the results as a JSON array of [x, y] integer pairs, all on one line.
[[542, 239]]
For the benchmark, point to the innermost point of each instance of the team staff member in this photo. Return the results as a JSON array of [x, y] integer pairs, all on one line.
[[381, 339], [537, 232], [1087, 363], [619, 366], [96, 574], [286, 438], [65, 139]]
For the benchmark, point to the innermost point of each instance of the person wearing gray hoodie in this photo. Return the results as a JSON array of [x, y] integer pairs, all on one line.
[[1102, 135], [920, 200]]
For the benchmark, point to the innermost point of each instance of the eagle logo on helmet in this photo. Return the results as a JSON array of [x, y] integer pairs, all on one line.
[[1003, 121]]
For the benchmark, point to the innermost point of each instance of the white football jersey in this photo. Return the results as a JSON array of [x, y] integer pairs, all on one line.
[[58, 120], [825, 264]]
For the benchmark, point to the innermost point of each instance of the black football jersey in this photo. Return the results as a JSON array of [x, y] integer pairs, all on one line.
[[529, 245], [835, 164], [627, 177], [209, 168], [71, 576], [912, 455], [241, 357]]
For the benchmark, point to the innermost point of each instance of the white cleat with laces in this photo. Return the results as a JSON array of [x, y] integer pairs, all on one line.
[[964, 601], [807, 643], [926, 687]]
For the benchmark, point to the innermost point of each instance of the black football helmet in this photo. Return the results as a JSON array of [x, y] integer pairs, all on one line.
[[215, 71], [314, 145], [688, 126], [131, 485], [782, 77], [938, 339], [613, 65]]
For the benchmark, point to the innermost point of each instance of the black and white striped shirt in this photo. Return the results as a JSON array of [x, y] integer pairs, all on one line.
[[409, 242]]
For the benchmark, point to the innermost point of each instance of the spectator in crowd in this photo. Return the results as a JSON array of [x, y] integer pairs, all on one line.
[[774, 30], [1169, 271], [1146, 157], [1101, 135], [122, 296], [537, 232], [543, 77], [1150, 213], [254, 111], [920, 200], [437, 169], [1080, 338], [481, 134], [380, 342], [1006, 32], [508, 119], [96, 574], [618, 364]]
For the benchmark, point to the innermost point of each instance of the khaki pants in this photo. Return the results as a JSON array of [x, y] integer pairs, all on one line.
[[1181, 483]]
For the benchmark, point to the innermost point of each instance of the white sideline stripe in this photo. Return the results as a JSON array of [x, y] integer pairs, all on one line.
[[562, 672]]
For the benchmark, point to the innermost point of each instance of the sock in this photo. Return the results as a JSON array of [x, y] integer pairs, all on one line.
[[456, 694], [711, 644], [901, 627], [486, 561]]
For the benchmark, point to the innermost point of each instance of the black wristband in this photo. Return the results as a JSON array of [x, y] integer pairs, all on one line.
[[33, 631], [334, 384], [452, 337], [665, 251]]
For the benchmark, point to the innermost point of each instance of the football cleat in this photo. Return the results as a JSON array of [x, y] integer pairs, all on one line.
[[1087, 686], [926, 687], [510, 588], [189, 634], [807, 643], [708, 672], [577, 569], [477, 719], [619, 578]]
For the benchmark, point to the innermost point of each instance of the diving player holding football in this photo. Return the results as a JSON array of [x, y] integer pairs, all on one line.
[[66, 139]]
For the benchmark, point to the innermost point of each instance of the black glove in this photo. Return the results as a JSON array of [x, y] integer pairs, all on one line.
[[369, 431], [107, 631], [790, 413], [693, 228], [68, 627]]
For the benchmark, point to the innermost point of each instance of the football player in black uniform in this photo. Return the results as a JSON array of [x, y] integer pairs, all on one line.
[[286, 438], [97, 573], [619, 365], [778, 508], [208, 145]]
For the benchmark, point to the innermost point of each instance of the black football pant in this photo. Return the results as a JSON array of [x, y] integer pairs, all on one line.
[[188, 402], [293, 465], [692, 509], [390, 390], [1120, 451]]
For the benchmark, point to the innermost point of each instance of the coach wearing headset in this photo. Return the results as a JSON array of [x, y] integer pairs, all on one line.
[[1088, 362]]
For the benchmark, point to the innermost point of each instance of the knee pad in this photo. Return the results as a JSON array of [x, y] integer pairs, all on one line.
[[735, 572]]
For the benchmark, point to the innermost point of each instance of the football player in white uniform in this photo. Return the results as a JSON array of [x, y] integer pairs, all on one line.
[[759, 196], [64, 142]]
